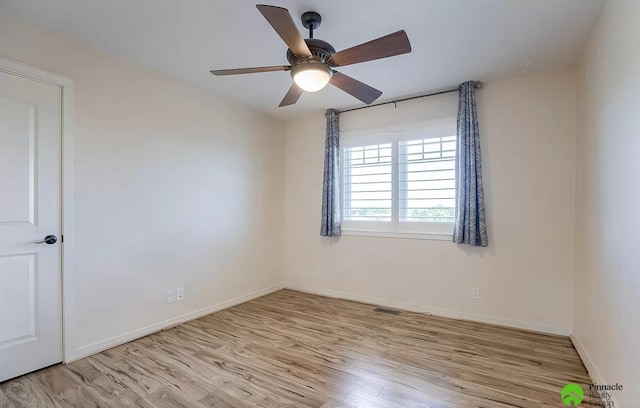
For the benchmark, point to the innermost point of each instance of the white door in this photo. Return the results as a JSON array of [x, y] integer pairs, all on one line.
[[30, 209]]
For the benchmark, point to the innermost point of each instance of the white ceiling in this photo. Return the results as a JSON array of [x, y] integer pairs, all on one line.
[[452, 40]]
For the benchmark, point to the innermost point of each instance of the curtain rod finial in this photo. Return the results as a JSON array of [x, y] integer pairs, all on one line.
[[478, 85]]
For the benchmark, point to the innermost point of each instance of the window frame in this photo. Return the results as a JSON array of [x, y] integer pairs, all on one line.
[[432, 128]]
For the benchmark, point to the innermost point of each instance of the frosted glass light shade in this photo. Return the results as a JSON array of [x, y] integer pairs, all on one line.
[[312, 76]]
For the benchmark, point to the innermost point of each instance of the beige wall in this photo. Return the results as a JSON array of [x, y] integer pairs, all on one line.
[[173, 187], [607, 326], [525, 275]]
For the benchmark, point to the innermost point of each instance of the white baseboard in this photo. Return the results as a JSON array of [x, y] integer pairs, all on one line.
[[432, 310], [86, 351], [595, 375], [586, 360]]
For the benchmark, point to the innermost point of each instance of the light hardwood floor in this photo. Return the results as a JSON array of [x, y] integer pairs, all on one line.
[[291, 349]]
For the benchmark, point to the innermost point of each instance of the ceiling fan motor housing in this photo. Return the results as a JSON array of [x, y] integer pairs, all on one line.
[[320, 51]]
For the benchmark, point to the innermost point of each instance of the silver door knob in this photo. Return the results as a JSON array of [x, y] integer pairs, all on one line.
[[49, 240]]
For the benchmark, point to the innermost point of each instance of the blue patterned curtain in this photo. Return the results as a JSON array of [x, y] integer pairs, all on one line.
[[330, 226], [470, 224]]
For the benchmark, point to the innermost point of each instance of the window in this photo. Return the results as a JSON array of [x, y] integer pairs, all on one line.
[[400, 182]]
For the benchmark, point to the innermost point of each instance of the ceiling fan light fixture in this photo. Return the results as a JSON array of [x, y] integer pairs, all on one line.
[[311, 76]]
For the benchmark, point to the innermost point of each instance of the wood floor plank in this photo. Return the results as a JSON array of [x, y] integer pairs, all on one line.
[[25, 392], [358, 399], [170, 397], [65, 389], [109, 391], [292, 349], [222, 399]]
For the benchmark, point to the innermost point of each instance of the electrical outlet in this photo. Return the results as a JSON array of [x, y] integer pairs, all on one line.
[[475, 293], [180, 293], [171, 296]]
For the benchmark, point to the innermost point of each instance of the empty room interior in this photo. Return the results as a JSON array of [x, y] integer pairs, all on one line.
[[329, 204]]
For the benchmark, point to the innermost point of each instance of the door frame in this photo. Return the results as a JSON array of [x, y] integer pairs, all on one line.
[[66, 194]]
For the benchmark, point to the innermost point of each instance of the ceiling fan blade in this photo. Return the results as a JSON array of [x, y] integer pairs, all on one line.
[[236, 71], [355, 88], [281, 21], [292, 96], [393, 44]]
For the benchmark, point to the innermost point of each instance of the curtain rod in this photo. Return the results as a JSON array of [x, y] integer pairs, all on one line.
[[477, 85]]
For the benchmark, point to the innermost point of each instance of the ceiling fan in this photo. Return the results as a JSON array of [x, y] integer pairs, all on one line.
[[312, 60]]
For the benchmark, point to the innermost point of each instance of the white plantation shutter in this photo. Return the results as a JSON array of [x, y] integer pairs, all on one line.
[[427, 188], [401, 181], [368, 183]]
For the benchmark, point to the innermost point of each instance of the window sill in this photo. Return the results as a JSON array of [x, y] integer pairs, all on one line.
[[398, 235]]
